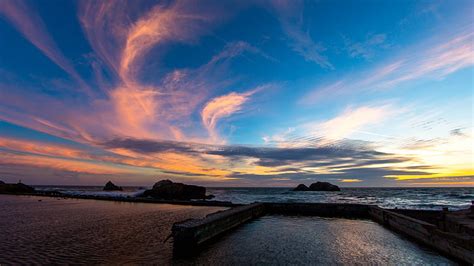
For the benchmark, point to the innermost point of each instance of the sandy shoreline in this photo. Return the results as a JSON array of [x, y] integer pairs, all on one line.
[[48, 230]]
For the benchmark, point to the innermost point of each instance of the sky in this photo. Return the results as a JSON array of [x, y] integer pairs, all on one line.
[[237, 93]]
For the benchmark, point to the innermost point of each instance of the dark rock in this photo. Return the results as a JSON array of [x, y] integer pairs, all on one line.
[[162, 183], [166, 189], [18, 188], [323, 186], [2, 183], [111, 187], [210, 196], [301, 187]]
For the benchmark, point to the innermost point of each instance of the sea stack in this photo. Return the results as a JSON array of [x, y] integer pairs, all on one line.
[[318, 186], [111, 187], [168, 190], [323, 186]]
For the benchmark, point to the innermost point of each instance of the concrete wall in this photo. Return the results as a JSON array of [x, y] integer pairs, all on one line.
[[429, 216], [188, 235], [320, 209], [457, 246]]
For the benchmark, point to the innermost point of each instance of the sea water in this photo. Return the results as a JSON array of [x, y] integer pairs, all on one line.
[[410, 198]]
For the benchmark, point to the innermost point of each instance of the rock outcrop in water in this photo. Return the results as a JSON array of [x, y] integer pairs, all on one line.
[[111, 187], [323, 186], [168, 190], [18, 188], [318, 186]]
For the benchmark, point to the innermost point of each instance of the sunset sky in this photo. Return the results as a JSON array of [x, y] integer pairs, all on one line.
[[237, 93]]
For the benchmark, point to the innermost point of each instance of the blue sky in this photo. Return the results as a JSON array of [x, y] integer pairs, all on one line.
[[237, 93]]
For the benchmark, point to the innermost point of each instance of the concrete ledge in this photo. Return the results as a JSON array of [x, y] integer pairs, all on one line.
[[457, 246], [344, 210], [429, 216], [189, 234]]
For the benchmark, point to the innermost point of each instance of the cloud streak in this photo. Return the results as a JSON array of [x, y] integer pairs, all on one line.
[[366, 49], [32, 27], [436, 62], [290, 15], [350, 121], [221, 107]]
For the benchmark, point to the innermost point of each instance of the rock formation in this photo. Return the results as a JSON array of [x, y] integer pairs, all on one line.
[[318, 186], [162, 183], [111, 187], [166, 189], [18, 188], [323, 186]]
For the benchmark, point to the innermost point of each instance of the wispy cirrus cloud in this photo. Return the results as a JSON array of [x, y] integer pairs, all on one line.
[[291, 18], [350, 121], [28, 22], [221, 107], [332, 130], [176, 22], [122, 37], [434, 62], [137, 106], [238, 48], [365, 49], [160, 109]]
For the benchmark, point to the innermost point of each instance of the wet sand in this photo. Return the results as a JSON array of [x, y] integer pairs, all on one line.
[[44, 230]]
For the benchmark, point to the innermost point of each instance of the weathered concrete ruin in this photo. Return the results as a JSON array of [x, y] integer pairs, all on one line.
[[450, 233]]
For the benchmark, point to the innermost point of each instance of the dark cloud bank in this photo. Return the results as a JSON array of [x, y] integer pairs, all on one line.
[[345, 159]]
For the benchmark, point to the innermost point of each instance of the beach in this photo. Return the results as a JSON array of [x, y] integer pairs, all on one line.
[[47, 230], [43, 230]]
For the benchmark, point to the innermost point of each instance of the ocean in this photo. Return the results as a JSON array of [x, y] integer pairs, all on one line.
[[409, 198]]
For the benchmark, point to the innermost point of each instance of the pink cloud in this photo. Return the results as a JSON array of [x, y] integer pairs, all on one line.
[[148, 110], [122, 35], [221, 107]]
